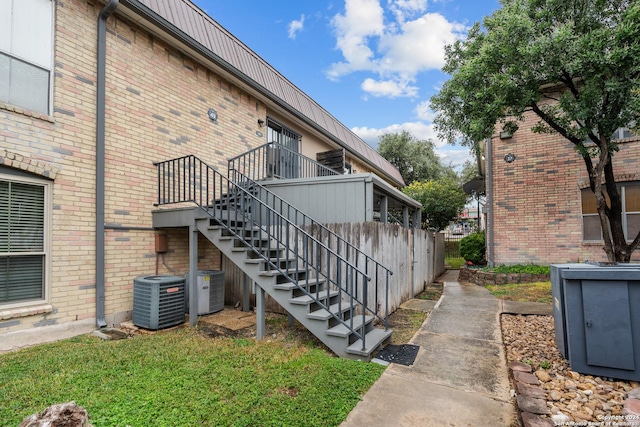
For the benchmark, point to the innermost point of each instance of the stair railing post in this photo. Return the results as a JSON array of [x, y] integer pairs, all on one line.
[[246, 289], [364, 312], [193, 270], [386, 305], [260, 317]]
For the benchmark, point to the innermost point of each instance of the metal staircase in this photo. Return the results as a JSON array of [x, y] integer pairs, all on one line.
[[327, 284]]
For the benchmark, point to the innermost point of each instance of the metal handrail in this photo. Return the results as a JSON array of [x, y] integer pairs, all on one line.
[[299, 217], [189, 179], [274, 160]]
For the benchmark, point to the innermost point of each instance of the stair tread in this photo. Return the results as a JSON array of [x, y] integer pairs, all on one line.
[[258, 250], [278, 272], [373, 339], [274, 260], [343, 330], [301, 284], [308, 299], [245, 228], [324, 314]]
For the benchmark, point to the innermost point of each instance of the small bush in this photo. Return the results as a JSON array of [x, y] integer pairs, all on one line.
[[472, 248]]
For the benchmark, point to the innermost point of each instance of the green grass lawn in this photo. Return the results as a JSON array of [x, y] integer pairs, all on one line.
[[181, 378], [527, 292], [454, 263]]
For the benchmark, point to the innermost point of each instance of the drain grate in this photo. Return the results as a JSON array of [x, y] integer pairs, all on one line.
[[403, 354]]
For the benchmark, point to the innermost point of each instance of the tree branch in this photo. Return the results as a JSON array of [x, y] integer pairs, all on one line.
[[553, 124], [568, 80], [550, 97]]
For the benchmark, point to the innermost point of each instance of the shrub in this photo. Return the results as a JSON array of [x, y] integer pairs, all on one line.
[[521, 269], [472, 248]]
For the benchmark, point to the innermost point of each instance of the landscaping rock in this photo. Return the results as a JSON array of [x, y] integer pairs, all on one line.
[[543, 376], [533, 420], [635, 393], [526, 378], [632, 407], [533, 405], [61, 415], [531, 390], [521, 367], [569, 395]]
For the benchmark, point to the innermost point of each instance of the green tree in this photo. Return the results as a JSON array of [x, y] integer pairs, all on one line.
[[574, 63], [416, 160], [468, 172], [442, 201]]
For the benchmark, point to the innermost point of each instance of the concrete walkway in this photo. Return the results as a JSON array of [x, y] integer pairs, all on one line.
[[459, 377]]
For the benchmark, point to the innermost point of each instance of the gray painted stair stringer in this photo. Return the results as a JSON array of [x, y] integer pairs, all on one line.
[[338, 339]]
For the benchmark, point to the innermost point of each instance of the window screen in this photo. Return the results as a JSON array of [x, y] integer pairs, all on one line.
[[22, 244]]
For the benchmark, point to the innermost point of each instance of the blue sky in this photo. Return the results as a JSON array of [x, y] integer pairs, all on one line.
[[373, 64]]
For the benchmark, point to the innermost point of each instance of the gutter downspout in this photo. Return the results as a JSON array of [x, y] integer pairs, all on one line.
[[108, 10], [489, 205]]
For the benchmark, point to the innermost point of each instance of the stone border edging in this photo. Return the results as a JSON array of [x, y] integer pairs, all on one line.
[[531, 402], [482, 278]]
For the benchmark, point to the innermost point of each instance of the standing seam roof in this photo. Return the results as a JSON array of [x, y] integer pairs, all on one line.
[[200, 27]]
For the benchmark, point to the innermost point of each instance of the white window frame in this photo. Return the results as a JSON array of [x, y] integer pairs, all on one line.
[[48, 187], [622, 189], [37, 61]]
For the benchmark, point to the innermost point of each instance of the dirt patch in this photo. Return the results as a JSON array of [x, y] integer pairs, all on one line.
[[233, 323], [290, 391], [405, 323], [215, 331], [431, 292], [233, 320]]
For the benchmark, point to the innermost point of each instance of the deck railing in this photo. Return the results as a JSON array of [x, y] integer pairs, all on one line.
[[239, 204], [274, 160]]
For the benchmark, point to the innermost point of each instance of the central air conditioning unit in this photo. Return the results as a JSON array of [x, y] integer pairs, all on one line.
[[210, 286], [158, 301]]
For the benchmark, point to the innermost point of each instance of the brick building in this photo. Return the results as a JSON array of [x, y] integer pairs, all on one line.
[[539, 206], [77, 147]]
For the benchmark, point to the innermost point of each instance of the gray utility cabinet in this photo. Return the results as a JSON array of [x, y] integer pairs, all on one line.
[[158, 301], [210, 287], [597, 327]]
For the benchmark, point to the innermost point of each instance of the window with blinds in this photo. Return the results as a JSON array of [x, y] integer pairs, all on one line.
[[591, 228], [22, 241]]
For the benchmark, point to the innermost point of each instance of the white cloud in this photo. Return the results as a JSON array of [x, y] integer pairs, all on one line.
[[403, 9], [362, 20], [393, 47], [388, 88], [419, 130], [449, 154], [424, 112], [454, 155], [295, 27], [419, 46]]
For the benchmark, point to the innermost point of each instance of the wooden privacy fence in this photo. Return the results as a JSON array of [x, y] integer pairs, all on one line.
[[416, 258]]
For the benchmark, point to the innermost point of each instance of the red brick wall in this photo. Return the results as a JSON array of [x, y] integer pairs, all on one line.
[[536, 198]]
